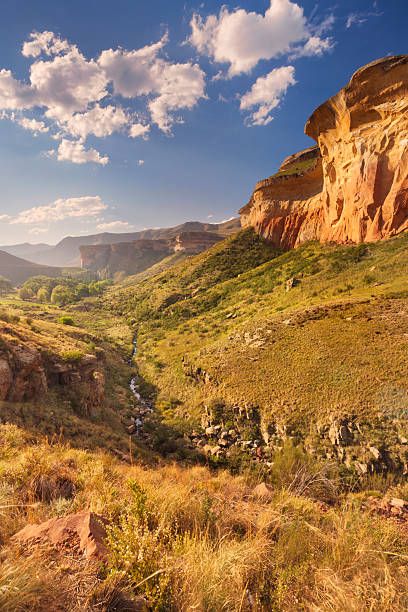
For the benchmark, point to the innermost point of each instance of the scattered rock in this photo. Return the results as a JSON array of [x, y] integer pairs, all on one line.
[[263, 491], [84, 531]]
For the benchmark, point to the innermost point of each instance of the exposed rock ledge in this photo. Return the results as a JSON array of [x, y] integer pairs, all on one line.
[[353, 187], [26, 374]]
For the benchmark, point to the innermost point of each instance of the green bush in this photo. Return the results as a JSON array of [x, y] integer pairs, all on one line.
[[66, 320]]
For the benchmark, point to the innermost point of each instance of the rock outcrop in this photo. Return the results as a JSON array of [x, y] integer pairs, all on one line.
[[82, 533], [26, 374], [353, 187], [192, 243], [138, 255]]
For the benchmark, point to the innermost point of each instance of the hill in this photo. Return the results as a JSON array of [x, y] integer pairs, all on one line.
[[66, 252], [300, 345], [18, 270], [25, 249]]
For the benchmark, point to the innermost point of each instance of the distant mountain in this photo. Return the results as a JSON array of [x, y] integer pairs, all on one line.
[[66, 252], [25, 249], [18, 270]]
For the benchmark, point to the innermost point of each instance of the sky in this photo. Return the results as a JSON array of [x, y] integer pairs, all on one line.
[[117, 116]]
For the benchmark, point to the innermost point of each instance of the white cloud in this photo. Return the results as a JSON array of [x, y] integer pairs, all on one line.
[[61, 209], [100, 121], [13, 94], [33, 125], [133, 73], [266, 94], [181, 86], [114, 226], [140, 162], [138, 130], [357, 19], [143, 72], [241, 38], [69, 90], [315, 47], [75, 152], [45, 42], [67, 84]]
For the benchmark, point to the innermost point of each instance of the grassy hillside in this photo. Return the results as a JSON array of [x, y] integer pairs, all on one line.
[[305, 339], [222, 333]]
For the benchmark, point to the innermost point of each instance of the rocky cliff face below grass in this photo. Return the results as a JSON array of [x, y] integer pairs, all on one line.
[[353, 187], [27, 373]]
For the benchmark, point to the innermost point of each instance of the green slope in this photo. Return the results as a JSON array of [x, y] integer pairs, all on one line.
[[225, 327]]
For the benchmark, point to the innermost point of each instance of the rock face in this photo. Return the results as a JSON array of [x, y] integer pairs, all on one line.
[[83, 532], [194, 242], [138, 255], [26, 375], [129, 257], [353, 187]]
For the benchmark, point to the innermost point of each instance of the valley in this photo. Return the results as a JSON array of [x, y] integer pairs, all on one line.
[[214, 416]]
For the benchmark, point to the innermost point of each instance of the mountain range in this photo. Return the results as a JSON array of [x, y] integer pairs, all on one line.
[[66, 252]]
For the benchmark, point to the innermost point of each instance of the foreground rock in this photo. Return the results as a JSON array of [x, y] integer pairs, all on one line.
[[83, 532], [353, 187]]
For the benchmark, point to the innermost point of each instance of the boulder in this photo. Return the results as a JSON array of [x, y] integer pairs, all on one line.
[[263, 491], [84, 532]]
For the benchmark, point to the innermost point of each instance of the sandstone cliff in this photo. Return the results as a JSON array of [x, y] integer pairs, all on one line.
[[138, 255], [353, 187]]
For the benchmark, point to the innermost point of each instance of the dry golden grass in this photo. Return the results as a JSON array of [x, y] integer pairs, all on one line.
[[192, 539]]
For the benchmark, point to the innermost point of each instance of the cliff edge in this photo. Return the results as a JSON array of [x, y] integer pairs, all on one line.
[[352, 187]]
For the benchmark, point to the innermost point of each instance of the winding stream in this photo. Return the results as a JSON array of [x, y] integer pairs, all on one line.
[[145, 406]]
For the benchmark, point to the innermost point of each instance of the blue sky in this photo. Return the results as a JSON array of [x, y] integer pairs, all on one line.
[[129, 114]]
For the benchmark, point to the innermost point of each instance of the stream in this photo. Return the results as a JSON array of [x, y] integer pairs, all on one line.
[[145, 406]]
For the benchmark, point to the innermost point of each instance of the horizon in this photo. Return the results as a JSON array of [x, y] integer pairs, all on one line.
[[157, 120]]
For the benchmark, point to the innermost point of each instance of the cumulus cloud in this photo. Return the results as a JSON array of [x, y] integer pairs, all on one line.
[[38, 127], [61, 209], [139, 130], [69, 91], [67, 84], [13, 94], [99, 121], [45, 42], [114, 226], [143, 72], [266, 94], [75, 152], [242, 38]]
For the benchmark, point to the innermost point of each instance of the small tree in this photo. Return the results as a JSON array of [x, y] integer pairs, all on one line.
[[5, 285], [43, 295], [26, 293], [61, 295]]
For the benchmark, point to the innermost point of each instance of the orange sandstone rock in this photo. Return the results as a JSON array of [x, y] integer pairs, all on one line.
[[356, 190], [83, 531]]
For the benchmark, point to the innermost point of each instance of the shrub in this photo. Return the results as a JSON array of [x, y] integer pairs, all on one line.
[[73, 355], [66, 320]]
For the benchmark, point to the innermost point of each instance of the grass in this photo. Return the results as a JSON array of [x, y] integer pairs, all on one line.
[[188, 538], [330, 348], [220, 333]]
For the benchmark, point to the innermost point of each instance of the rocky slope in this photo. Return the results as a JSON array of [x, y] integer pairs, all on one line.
[[354, 187], [138, 255], [28, 370], [66, 252]]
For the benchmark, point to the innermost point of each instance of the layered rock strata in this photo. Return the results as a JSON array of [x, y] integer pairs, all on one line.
[[354, 186]]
